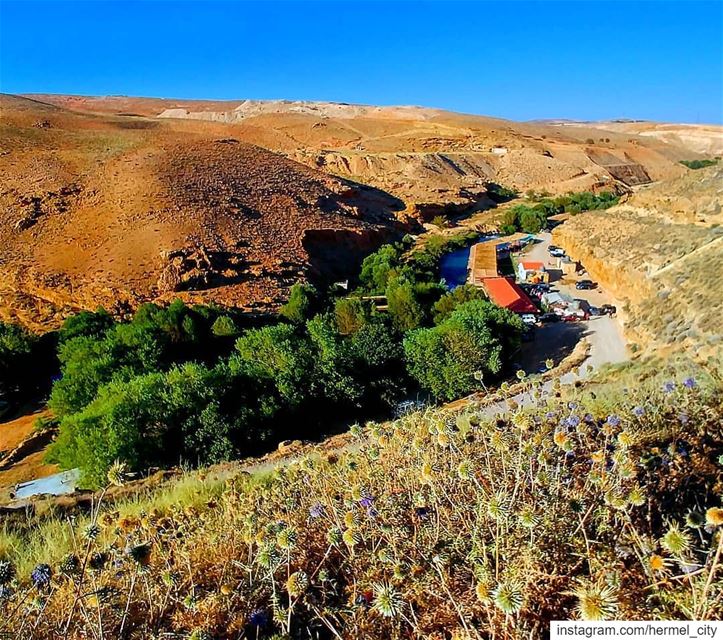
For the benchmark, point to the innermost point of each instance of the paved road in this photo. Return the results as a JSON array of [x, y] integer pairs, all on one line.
[[555, 340]]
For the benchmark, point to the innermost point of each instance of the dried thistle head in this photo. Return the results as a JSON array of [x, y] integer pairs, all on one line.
[[117, 473], [596, 601], [509, 596], [676, 541], [387, 600]]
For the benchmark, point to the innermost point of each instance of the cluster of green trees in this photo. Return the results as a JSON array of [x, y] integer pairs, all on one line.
[[186, 384], [531, 218], [699, 164]]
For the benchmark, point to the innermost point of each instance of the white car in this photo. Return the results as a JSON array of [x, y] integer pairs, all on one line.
[[529, 318]]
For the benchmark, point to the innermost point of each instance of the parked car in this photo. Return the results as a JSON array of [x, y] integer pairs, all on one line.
[[552, 248], [586, 284], [571, 317], [549, 317], [594, 311], [557, 253], [609, 309], [529, 318]]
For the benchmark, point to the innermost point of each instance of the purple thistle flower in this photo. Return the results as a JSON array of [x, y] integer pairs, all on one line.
[[589, 419], [572, 406], [41, 575], [316, 510], [259, 618], [613, 420], [638, 411], [572, 421], [669, 386], [690, 383], [366, 501], [549, 415]]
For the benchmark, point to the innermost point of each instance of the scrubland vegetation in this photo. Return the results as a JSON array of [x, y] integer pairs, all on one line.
[[602, 503], [699, 164]]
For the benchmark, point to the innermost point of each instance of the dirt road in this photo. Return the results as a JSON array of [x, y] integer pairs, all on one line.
[[555, 340]]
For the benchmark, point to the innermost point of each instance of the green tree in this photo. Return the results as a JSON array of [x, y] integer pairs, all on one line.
[[453, 299], [477, 337], [280, 356], [224, 327], [351, 314], [378, 267], [404, 308], [303, 302]]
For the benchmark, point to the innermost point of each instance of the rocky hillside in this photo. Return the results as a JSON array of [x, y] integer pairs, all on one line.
[[118, 210], [661, 252], [427, 157]]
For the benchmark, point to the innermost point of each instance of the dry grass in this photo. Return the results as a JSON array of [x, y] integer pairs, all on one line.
[[442, 523]]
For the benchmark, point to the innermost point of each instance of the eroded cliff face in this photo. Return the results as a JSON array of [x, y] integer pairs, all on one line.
[[661, 254]]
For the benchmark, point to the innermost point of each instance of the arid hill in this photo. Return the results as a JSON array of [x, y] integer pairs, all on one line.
[[430, 158], [118, 210], [661, 252]]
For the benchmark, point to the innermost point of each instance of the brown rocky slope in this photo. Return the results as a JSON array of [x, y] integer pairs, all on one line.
[[661, 253], [114, 211], [430, 158]]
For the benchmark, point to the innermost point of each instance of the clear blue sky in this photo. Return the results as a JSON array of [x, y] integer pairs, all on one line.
[[515, 59]]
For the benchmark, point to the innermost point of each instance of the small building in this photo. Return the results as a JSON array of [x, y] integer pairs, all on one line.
[[532, 272], [505, 292]]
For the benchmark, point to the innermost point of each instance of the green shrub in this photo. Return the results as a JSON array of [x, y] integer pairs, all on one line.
[[699, 164]]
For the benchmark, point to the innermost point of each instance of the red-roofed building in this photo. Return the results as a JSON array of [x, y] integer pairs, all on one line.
[[504, 292], [532, 271]]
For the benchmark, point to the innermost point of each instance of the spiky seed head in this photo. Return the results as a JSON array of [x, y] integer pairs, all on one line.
[[443, 439], [7, 572], [596, 601], [69, 565], [387, 601], [497, 508], [349, 519], [465, 470], [297, 583], [140, 553], [714, 517], [625, 439], [91, 531], [528, 518], [117, 473], [351, 537], [676, 541], [509, 596], [334, 536], [636, 497], [286, 538], [483, 592], [427, 472], [268, 556]]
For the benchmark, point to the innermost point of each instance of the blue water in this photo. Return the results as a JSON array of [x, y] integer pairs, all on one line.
[[453, 267], [56, 485]]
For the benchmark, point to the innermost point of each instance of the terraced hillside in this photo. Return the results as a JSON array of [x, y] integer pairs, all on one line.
[[661, 252], [115, 211]]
